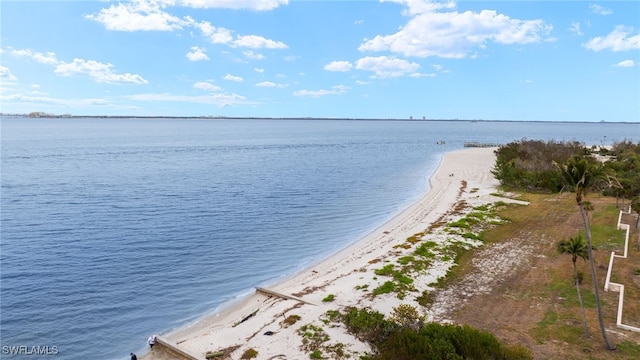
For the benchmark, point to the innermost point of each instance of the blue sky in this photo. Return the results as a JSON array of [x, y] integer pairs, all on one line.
[[492, 60]]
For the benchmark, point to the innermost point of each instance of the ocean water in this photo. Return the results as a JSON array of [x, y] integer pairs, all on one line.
[[114, 229]]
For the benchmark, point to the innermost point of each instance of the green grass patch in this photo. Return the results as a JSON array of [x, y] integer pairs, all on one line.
[[405, 260], [387, 270], [386, 288], [425, 249], [630, 349]]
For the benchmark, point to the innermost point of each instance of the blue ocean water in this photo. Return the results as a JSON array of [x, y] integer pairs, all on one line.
[[114, 229]]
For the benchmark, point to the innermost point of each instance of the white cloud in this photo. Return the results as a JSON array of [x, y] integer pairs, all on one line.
[[197, 54], [253, 55], [342, 66], [452, 34], [617, 40], [258, 5], [600, 10], [271, 84], [207, 86], [335, 90], [233, 78], [415, 7], [151, 15], [213, 99], [626, 63], [258, 70], [359, 22], [360, 82], [575, 28], [6, 75], [387, 67], [419, 75], [99, 72], [145, 15], [44, 58], [215, 35], [258, 42], [71, 103]]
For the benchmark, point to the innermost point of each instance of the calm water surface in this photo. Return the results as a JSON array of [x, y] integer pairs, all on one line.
[[114, 229]]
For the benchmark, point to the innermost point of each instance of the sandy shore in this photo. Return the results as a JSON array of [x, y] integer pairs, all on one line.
[[348, 275]]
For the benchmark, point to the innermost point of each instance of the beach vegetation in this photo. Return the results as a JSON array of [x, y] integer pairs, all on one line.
[[290, 320], [329, 298], [426, 248], [386, 288], [407, 316], [249, 354], [404, 336], [426, 298], [387, 270], [429, 251], [404, 260], [332, 315], [528, 165], [337, 351], [315, 342]]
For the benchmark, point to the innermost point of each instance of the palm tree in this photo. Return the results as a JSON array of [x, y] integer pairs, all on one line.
[[576, 247], [582, 175]]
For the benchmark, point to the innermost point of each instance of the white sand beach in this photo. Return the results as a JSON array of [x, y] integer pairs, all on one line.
[[348, 275]]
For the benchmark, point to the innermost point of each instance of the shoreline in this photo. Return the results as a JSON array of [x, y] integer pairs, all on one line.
[[461, 175]]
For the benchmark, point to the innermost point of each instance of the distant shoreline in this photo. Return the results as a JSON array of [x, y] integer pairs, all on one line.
[[66, 116]]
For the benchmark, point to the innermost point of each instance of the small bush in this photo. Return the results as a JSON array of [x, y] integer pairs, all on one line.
[[329, 298]]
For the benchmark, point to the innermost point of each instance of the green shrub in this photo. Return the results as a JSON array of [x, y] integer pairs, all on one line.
[[409, 340], [387, 287], [328, 298], [387, 270]]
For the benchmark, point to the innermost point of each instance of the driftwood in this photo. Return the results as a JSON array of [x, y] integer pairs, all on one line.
[[246, 318]]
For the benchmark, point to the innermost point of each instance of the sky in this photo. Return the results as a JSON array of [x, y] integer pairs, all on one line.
[[401, 59]]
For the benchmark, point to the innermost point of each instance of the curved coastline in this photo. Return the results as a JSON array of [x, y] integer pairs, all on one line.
[[338, 274]]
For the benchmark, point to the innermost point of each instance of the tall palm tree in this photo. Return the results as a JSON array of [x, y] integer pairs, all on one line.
[[576, 247], [583, 175]]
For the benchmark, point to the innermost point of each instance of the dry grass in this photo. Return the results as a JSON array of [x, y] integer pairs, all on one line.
[[536, 305]]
